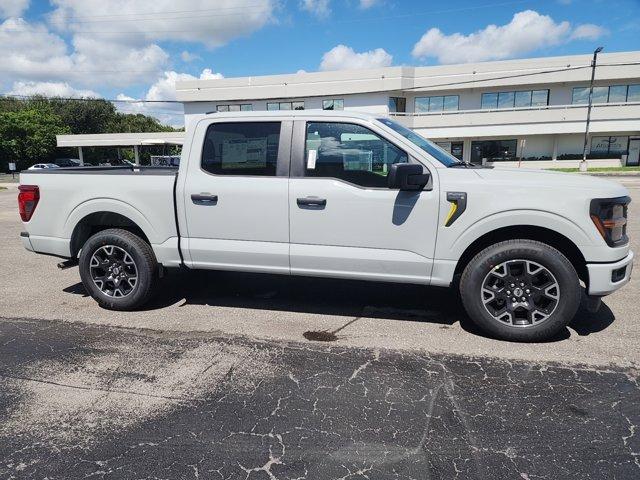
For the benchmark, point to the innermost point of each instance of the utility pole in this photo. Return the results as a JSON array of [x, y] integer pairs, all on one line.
[[583, 163]]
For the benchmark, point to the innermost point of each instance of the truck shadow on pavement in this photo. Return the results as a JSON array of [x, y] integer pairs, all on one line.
[[324, 296]]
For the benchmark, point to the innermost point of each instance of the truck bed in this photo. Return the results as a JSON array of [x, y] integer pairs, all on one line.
[[70, 196]]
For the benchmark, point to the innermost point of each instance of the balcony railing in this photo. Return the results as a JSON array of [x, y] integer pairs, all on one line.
[[548, 118], [512, 109]]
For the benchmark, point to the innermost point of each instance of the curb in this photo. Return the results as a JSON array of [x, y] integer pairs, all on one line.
[[613, 174]]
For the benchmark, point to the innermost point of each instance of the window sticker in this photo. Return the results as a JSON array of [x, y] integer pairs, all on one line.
[[312, 156], [244, 153]]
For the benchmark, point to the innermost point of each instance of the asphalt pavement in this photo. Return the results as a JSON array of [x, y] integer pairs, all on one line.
[[256, 376]]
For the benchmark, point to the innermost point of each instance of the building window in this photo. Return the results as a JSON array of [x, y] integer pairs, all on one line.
[[633, 93], [397, 104], [506, 99], [609, 146], [489, 100], [436, 103], [540, 98], [246, 148], [524, 99], [612, 94], [333, 104], [454, 148], [493, 150], [351, 153], [618, 93], [298, 105], [580, 95], [244, 107], [600, 95]]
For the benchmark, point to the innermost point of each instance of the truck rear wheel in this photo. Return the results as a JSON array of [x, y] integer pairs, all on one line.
[[520, 290], [118, 269]]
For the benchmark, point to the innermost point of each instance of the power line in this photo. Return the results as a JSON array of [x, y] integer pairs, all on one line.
[[243, 11]]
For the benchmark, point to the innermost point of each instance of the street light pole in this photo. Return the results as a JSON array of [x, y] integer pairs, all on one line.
[[583, 163]]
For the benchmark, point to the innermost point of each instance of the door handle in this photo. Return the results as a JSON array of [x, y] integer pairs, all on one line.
[[312, 202], [202, 199]]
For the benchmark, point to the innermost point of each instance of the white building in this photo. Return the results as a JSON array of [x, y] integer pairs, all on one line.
[[532, 109]]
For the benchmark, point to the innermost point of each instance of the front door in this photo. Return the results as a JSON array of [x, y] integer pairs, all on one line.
[[236, 196], [345, 222]]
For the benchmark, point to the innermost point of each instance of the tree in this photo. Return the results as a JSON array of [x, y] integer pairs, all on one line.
[[133, 123], [29, 136], [78, 116]]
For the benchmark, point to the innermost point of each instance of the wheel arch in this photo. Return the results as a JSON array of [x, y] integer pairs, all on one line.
[[528, 232], [95, 222]]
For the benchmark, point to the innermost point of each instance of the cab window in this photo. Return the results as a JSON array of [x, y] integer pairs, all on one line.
[[349, 152], [243, 148]]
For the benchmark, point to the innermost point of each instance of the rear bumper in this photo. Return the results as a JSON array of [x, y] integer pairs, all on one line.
[[26, 241], [606, 278], [58, 247]]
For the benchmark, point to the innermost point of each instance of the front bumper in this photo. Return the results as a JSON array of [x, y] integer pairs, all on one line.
[[606, 278]]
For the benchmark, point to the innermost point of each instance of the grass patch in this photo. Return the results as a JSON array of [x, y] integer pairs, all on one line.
[[599, 169]]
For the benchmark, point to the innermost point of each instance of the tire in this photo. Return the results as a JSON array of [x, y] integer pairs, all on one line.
[[132, 263], [546, 282]]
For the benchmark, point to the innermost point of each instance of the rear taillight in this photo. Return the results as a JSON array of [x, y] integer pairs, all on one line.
[[610, 218], [28, 200]]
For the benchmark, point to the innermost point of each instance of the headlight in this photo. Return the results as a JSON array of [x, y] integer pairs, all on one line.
[[610, 218]]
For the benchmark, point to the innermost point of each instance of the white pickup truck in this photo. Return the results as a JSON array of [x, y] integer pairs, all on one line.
[[337, 194]]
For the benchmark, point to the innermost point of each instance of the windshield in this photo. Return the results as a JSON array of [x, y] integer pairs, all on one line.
[[428, 146]]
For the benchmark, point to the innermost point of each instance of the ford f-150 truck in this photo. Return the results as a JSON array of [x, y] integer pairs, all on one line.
[[338, 194]]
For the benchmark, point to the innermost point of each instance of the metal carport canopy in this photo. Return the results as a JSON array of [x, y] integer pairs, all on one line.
[[120, 139]]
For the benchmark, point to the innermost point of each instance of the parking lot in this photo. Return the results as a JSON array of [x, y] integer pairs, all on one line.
[[224, 376]]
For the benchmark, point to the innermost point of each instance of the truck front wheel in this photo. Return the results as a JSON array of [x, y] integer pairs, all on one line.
[[118, 269], [520, 290]]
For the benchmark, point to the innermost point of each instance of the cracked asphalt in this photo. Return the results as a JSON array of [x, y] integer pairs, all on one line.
[[223, 376]]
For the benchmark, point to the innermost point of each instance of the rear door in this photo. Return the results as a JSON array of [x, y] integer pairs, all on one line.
[[345, 222], [236, 195]]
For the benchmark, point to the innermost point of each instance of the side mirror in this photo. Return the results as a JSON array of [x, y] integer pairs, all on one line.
[[407, 176]]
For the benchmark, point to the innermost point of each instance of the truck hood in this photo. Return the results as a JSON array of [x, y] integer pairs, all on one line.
[[594, 187]]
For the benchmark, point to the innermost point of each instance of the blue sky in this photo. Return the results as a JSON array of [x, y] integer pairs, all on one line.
[[137, 49]]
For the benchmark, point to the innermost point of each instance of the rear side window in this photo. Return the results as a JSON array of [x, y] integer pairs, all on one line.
[[351, 153], [246, 148]]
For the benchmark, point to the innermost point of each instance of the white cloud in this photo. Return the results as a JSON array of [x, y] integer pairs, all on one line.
[[163, 89], [13, 8], [319, 8], [528, 31], [51, 89], [189, 57], [343, 57], [365, 4], [588, 31], [30, 52], [210, 22]]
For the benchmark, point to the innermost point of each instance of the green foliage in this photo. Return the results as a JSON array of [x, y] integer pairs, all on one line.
[[29, 134], [28, 129]]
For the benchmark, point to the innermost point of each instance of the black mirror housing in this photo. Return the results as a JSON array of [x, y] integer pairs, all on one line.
[[407, 176]]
